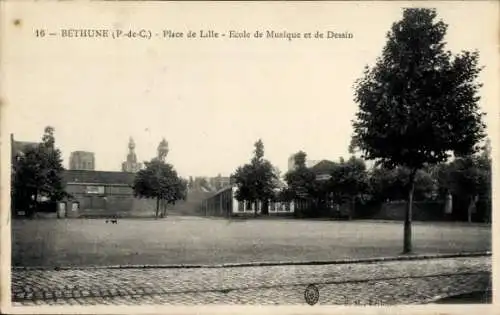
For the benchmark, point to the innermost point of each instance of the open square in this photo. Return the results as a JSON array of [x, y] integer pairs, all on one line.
[[196, 240]]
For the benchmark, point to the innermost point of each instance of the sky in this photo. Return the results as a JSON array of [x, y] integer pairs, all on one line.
[[210, 99]]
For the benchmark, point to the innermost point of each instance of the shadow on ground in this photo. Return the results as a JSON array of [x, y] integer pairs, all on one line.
[[468, 298]]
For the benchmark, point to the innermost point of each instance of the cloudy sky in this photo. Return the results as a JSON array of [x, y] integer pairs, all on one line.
[[211, 99]]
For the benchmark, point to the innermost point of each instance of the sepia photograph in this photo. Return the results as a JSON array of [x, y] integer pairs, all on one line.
[[199, 154]]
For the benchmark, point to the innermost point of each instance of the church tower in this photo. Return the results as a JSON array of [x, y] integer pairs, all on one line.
[[162, 150], [131, 165]]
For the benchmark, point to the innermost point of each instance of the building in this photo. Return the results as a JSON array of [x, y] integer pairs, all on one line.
[[322, 169], [224, 203], [82, 160], [163, 150], [209, 184], [131, 165], [219, 182], [98, 193], [19, 147], [292, 166], [291, 163], [312, 163]]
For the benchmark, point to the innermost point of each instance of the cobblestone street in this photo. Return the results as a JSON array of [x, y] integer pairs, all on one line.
[[395, 282]]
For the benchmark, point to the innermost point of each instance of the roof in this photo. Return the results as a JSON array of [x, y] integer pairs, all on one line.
[[323, 167], [20, 146], [82, 152], [98, 177]]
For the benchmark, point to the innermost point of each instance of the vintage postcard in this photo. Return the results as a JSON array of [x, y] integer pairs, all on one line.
[[248, 157]]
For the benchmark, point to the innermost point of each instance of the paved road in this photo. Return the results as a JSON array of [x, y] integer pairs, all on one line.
[[397, 282]]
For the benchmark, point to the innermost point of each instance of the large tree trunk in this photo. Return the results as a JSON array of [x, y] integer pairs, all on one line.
[[265, 207], [157, 207], [352, 208], [472, 204], [469, 211], [407, 246], [162, 208]]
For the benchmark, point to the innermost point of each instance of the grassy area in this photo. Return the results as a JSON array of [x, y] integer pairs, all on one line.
[[192, 240]]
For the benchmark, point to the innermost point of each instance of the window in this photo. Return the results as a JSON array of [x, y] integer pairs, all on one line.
[[241, 206], [249, 206], [95, 190], [287, 206], [119, 190], [272, 206]]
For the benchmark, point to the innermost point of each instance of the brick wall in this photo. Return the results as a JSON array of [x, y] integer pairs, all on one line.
[[422, 211]]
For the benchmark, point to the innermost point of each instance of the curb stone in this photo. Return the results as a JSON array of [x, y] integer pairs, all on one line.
[[264, 264]]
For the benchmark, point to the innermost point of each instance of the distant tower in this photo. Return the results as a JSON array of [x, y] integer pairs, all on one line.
[[291, 163], [131, 165], [82, 160], [162, 150]]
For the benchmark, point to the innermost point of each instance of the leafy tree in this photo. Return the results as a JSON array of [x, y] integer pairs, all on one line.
[[302, 186], [349, 180], [277, 183], [36, 173], [392, 184], [159, 180], [418, 103], [468, 179], [182, 188], [300, 159], [256, 181]]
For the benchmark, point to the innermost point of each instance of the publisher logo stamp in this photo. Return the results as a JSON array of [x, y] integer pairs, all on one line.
[[311, 294]]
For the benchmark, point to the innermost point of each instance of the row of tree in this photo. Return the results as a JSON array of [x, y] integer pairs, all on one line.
[[467, 179]]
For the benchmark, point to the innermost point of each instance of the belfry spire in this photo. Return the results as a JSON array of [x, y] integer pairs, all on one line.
[[131, 165]]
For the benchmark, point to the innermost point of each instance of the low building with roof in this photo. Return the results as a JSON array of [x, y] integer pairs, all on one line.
[[323, 169], [223, 203], [103, 193]]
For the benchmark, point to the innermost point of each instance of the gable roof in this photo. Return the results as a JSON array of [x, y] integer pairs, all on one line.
[[98, 177], [21, 146], [323, 167]]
